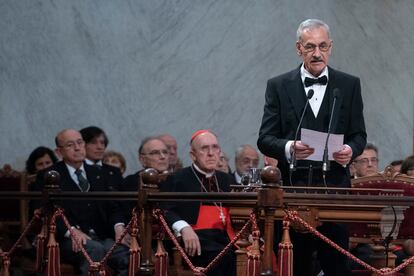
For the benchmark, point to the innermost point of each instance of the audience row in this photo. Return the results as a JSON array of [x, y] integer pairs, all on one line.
[[85, 165]]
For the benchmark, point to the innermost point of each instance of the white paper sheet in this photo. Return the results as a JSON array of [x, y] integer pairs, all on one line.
[[317, 140]]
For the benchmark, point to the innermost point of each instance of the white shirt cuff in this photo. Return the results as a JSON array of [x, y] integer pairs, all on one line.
[[178, 226], [119, 224], [67, 233], [287, 150]]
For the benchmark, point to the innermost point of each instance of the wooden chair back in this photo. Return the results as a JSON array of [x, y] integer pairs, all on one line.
[[389, 179]]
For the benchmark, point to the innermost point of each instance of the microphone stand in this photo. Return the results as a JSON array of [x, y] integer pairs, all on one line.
[[310, 175], [326, 165], [292, 165]]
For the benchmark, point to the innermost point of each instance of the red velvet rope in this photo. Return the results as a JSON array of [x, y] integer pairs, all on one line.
[[119, 240], [94, 266], [293, 216], [158, 214], [6, 256], [6, 263], [36, 217]]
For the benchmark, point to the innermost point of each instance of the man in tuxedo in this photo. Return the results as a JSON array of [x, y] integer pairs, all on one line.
[[204, 228], [284, 103], [93, 222], [96, 143]]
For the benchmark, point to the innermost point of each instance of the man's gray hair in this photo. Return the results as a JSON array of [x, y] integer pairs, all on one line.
[[146, 140], [310, 24], [241, 148], [371, 146]]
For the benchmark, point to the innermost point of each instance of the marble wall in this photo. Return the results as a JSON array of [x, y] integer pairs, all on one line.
[[145, 67]]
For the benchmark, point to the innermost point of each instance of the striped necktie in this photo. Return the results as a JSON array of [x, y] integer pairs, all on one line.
[[83, 182]]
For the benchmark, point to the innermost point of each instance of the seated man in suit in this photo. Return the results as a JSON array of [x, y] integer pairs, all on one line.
[[152, 153], [367, 163], [96, 143], [204, 228], [173, 160], [246, 157], [93, 222]]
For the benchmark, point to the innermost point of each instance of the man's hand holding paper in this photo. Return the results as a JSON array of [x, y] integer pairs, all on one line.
[[336, 149], [302, 150], [343, 156]]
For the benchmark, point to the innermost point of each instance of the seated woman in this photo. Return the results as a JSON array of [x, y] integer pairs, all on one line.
[[39, 159], [115, 159]]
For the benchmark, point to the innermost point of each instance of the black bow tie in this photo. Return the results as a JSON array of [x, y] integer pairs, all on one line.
[[322, 80]]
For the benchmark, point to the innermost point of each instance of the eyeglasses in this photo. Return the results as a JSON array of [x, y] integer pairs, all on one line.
[[310, 48], [210, 148], [248, 161], [157, 153], [366, 161], [72, 144]]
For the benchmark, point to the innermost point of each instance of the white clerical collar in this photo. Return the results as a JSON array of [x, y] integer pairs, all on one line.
[[90, 162], [305, 73], [203, 172]]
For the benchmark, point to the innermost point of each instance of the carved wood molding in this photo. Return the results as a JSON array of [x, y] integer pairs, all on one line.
[[384, 177]]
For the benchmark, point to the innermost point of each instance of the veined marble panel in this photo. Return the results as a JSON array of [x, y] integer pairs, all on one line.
[[139, 68]]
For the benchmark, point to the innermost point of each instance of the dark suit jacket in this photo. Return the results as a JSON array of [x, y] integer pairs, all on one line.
[[113, 175], [130, 183], [284, 102], [185, 181], [87, 214]]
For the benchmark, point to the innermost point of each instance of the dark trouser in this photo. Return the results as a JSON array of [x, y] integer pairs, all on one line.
[[330, 260], [96, 249], [212, 242], [362, 251]]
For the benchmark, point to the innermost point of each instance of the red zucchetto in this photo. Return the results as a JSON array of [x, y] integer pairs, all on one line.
[[198, 133]]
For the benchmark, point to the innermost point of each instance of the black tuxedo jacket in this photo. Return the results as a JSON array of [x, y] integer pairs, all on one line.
[[185, 181], [284, 101], [86, 214]]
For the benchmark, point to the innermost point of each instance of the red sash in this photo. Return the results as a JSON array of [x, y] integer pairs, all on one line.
[[209, 218]]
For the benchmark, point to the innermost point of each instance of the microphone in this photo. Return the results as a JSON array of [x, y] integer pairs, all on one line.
[[292, 165], [326, 163]]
